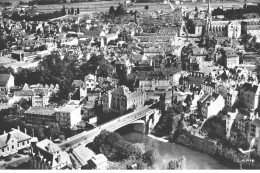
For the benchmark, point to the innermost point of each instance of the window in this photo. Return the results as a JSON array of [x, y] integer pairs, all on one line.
[[3, 150], [27, 142], [12, 147], [23, 143]]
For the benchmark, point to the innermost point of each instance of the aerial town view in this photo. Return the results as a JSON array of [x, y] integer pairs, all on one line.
[[129, 84]]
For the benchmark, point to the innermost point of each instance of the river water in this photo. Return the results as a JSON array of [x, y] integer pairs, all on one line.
[[169, 151]]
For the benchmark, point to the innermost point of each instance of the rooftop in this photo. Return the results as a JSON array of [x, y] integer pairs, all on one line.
[[20, 136]]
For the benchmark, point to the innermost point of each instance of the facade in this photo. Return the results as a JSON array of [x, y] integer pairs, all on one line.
[[153, 81], [41, 97], [69, 115], [90, 81], [249, 95], [40, 116], [121, 100], [231, 97], [47, 155], [13, 141], [231, 59], [196, 78], [234, 29], [210, 87], [18, 95], [252, 28], [6, 81], [211, 105]]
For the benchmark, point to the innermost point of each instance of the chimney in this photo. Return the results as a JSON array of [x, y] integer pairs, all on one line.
[[4, 132], [18, 128], [25, 131]]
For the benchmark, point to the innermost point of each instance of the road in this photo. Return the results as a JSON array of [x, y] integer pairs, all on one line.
[[88, 136]]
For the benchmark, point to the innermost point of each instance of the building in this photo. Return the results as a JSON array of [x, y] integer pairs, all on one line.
[[40, 116], [68, 116], [231, 98], [98, 162], [90, 81], [121, 100], [13, 141], [211, 104], [249, 95], [230, 118], [18, 95], [231, 59], [47, 155], [6, 81], [80, 91], [210, 87], [254, 132], [250, 59], [196, 78], [41, 97], [252, 28], [153, 80], [234, 29]]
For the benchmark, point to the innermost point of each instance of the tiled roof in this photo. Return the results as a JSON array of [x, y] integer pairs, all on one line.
[[249, 87], [39, 91], [20, 136], [256, 122], [41, 111], [23, 93], [83, 154], [48, 145]]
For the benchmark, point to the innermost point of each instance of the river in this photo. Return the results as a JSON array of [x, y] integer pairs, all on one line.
[[169, 151]]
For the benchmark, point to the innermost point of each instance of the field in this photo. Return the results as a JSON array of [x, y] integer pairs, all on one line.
[[104, 6]]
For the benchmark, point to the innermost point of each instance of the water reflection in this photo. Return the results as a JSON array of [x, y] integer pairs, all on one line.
[[169, 151]]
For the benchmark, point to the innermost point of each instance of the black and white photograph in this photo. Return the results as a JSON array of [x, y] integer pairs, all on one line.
[[129, 85]]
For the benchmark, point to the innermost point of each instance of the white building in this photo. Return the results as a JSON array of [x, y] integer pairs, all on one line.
[[234, 29], [90, 81], [69, 115]]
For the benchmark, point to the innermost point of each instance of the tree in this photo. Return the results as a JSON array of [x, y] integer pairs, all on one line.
[[196, 9], [112, 10], [15, 16], [177, 163], [72, 10], [120, 10], [149, 157], [146, 7], [63, 10], [77, 10]]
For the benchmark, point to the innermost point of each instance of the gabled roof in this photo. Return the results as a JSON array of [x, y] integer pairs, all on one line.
[[20, 136], [48, 146], [248, 87], [256, 122], [122, 90], [99, 159], [79, 83]]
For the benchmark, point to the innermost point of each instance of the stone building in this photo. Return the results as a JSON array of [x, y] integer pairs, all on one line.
[[120, 100]]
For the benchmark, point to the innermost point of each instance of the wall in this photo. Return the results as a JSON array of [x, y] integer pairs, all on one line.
[[218, 151]]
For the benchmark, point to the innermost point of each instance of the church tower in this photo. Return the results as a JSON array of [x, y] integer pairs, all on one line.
[[209, 17]]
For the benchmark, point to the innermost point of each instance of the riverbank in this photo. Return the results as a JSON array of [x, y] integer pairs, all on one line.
[[168, 151], [227, 155]]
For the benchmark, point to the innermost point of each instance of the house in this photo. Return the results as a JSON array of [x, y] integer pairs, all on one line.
[[80, 91], [40, 97], [40, 116], [18, 95], [47, 155], [152, 80], [196, 78], [209, 87], [121, 100], [6, 81], [249, 95], [98, 162], [211, 104], [68, 116], [88, 110], [231, 59], [231, 98], [234, 29], [249, 59], [81, 155], [254, 132], [252, 28], [13, 141], [90, 81]]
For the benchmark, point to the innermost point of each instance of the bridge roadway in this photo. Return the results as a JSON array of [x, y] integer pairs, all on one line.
[[88, 136]]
